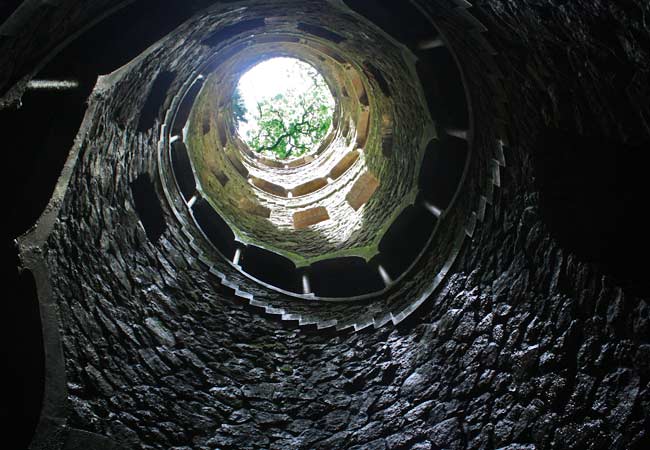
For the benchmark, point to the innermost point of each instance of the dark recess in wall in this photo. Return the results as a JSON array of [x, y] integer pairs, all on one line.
[[344, 277], [147, 205], [215, 228], [442, 169], [39, 137], [270, 268], [23, 360], [379, 78], [224, 55], [183, 169], [155, 98], [402, 20], [185, 107], [592, 189], [405, 239], [7, 7], [443, 88]]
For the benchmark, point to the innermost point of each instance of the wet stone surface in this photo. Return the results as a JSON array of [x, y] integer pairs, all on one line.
[[522, 347]]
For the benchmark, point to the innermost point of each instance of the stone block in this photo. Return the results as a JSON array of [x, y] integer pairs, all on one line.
[[221, 129], [344, 164], [309, 187], [387, 135], [309, 217], [221, 177], [362, 190], [205, 124], [237, 164], [363, 127], [297, 162], [269, 187], [359, 88], [254, 208], [272, 162]]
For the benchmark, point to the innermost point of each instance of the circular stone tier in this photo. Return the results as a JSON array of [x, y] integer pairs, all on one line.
[[341, 200], [373, 206]]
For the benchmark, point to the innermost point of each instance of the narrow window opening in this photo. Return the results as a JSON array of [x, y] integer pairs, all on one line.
[[147, 205], [379, 78], [344, 277], [443, 88], [183, 111], [405, 239], [271, 268], [183, 169], [442, 169], [155, 100], [215, 228]]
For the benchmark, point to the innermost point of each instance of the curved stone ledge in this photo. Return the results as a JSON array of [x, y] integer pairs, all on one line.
[[457, 243], [283, 190]]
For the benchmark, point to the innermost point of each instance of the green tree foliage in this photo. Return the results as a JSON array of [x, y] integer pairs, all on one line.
[[289, 124]]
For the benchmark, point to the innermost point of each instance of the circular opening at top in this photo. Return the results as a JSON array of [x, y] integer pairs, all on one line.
[[283, 108]]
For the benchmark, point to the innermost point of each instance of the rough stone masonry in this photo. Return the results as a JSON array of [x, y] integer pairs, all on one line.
[[523, 346]]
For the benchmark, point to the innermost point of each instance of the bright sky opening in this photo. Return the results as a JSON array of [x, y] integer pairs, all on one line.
[[282, 75]]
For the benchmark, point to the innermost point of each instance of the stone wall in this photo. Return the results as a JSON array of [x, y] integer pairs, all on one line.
[[523, 345]]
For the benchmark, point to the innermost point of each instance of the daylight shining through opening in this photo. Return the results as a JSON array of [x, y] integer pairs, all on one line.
[[283, 108]]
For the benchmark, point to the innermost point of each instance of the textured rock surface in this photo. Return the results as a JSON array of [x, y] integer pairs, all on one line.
[[523, 347]]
